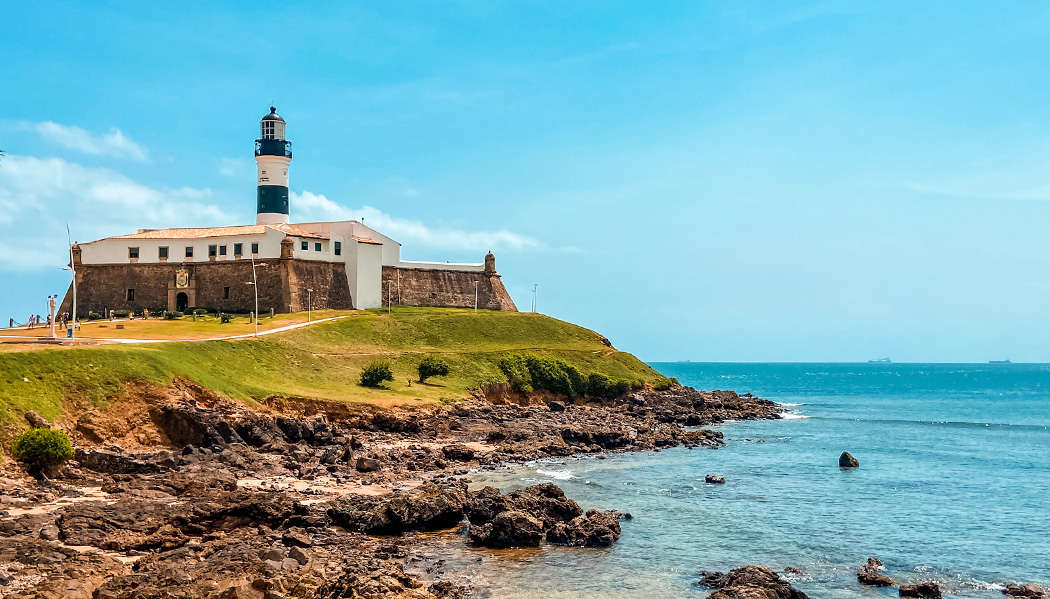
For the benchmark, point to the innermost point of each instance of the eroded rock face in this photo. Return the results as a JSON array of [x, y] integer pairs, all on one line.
[[749, 582], [848, 461], [871, 574], [922, 590], [511, 528], [428, 507]]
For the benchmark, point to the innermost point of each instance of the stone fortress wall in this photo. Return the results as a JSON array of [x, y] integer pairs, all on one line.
[[283, 285], [445, 288]]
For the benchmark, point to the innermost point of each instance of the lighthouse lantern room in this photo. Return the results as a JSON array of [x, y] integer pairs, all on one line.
[[273, 154]]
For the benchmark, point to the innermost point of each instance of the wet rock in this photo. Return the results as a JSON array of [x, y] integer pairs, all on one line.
[[556, 406], [593, 529], [427, 507], [922, 590], [1027, 591], [871, 574], [545, 501], [508, 529], [848, 461], [749, 582], [36, 420], [714, 479]]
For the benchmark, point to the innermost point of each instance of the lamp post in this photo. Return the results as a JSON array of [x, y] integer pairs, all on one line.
[[255, 283], [475, 296], [73, 268], [309, 305]]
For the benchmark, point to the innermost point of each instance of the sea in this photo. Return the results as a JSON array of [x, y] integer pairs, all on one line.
[[953, 486]]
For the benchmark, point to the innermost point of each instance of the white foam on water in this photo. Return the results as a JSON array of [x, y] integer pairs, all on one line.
[[789, 405], [793, 416], [557, 474]]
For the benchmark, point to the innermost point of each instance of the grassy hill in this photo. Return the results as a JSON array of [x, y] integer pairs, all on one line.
[[321, 361]]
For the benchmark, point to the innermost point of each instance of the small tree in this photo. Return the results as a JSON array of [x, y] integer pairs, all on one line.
[[376, 373], [42, 450], [432, 366]]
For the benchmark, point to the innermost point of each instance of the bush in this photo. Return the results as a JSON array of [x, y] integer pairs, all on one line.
[[666, 383], [120, 313], [431, 366], [95, 316], [199, 311], [376, 373], [516, 369], [172, 315], [42, 449], [225, 318]]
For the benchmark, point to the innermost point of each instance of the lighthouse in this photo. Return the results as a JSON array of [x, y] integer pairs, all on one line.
[[273, 154]]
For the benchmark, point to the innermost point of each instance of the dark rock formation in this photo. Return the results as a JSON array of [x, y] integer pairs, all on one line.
[[749, 582], [870, 574], [848, 461], [714, 479], [1027, 591], [509, 528], [922, 590]]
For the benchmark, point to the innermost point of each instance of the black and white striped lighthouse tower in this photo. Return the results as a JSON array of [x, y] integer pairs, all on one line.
[[273, 154]]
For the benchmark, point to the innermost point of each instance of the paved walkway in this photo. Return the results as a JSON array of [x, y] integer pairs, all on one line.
[[248, 336]]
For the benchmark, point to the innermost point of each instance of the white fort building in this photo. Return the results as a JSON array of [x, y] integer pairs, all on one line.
[[338, 264]]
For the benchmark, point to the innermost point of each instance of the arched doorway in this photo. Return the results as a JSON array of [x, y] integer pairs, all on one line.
[[181, 302]]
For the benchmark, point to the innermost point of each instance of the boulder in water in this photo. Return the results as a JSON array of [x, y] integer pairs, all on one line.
[[848, 461], [1027, 591], [749, 582], [508, 529], [922, 590], [870, 574], [714, 479]]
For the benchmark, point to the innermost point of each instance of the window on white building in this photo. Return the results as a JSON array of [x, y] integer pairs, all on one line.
[[237, 249], [317, 246], [255, 248], [133, 252], [162, 252], [189, 251], [304, 245], [338, 248]]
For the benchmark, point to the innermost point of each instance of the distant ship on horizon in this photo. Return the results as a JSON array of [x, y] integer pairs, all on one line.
[[881, 361], [1000, 362]]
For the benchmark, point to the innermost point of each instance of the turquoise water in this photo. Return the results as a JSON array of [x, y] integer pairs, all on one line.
[[954, 486]]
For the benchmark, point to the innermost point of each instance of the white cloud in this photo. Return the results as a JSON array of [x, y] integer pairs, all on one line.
[[232, 167], [114, 143], [307, 206], [39, 195]]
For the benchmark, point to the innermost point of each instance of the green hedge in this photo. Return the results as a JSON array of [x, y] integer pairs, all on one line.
[[528, 372]]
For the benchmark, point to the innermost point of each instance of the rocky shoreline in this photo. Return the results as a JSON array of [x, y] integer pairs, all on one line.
[[178, 492]]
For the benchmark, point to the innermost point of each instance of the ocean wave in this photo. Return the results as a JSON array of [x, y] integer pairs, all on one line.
[[789, 405], [790, 416], [557, 474]]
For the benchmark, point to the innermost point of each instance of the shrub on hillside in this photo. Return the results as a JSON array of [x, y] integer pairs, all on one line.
[[199, 311], [516, 369], [376, 373], [95, 316], [120, 313], [666, 383], [528, 372], [431, 366], [225, 318], [42, 449], [172, 314]]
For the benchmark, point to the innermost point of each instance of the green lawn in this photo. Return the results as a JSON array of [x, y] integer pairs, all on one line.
[[321, 361]]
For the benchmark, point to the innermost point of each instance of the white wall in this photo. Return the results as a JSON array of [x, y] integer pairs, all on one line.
[[369, 276], [115, 251], [352, 228]]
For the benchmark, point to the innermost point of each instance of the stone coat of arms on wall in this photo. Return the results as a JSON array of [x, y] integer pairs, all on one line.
[[182, 279]]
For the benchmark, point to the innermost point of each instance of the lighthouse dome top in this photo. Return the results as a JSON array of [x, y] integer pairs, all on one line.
[[273, 116]]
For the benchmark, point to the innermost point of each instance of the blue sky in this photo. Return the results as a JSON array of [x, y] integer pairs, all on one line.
[[710, 181]]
